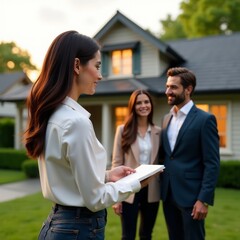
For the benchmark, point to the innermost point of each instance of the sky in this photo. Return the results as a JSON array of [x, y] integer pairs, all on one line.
[[33, 24]]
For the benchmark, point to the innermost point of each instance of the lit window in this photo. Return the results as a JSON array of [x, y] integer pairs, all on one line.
[[220, 112], [122, 62], [121, 59], [120, 115]]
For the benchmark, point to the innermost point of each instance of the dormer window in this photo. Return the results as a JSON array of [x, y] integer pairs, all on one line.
[[121, 60]]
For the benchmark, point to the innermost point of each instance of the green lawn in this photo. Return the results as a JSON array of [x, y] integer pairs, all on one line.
[[21, 219], [8, 176]]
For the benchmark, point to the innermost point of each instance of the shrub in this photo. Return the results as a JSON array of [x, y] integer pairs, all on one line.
[[30, 168], [12, 158], [6, 133], [229, 176]]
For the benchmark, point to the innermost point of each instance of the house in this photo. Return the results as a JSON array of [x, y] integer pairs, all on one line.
[[14, 87], [133, 58]]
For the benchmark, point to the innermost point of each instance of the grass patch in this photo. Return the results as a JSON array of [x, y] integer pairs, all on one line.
[[22, 218], [8, 176]]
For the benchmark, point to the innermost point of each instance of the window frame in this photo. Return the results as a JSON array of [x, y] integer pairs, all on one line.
[[106, 58], [121, 74], [228, 149]]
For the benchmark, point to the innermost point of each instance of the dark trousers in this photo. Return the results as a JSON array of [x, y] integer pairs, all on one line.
[[148, 214], [180, 224]]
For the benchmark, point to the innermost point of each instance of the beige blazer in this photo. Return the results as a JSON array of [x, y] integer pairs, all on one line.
[[131, 159]]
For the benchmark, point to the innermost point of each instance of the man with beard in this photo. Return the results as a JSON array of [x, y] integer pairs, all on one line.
[[190, 153]]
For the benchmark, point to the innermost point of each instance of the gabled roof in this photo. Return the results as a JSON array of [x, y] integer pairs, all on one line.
[[8, 80], [16, 95], [215, 60], [119, 17]]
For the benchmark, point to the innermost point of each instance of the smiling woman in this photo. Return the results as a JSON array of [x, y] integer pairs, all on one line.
[[136, 142]]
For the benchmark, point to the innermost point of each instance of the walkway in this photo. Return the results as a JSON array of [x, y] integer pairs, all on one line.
[[19, 189]]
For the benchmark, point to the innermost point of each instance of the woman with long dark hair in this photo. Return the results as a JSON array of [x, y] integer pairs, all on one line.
[[72, 162]]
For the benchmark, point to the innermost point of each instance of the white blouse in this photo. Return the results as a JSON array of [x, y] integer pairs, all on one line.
[[72, 168], [145, 147]]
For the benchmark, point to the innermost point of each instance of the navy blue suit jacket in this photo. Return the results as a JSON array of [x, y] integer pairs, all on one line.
[[192, 167]]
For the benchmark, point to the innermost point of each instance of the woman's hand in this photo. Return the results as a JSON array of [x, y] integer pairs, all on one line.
[[117, 208], [118, 172]]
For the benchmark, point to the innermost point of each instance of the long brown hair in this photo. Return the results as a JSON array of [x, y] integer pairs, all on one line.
[[130, 129], [54, 84]]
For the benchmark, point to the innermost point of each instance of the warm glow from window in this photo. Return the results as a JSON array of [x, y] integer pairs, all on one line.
[[204, 107], [120, 115], [116, 62], [127, 62], [220, 112], [122, 62]]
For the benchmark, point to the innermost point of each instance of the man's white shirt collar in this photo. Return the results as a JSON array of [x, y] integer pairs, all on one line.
[[185, 109]]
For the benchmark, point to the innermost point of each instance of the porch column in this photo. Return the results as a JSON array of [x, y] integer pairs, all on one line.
[[18, 126], [106, 129]]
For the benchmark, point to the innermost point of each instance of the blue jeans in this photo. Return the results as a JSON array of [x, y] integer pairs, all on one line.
[[73, 223]]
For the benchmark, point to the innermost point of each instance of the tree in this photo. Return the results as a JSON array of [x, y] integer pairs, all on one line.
[[204, 17], [172, 29], [13, 58]]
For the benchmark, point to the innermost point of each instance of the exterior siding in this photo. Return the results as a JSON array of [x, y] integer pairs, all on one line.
[[235, 129], [8, 110]]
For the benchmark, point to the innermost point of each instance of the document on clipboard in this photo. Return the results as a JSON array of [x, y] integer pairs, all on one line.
[[142, 172]]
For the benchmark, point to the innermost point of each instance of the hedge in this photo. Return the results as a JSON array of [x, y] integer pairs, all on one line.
[[6, 133], [229, 176], [12, 158], [30, 168]]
